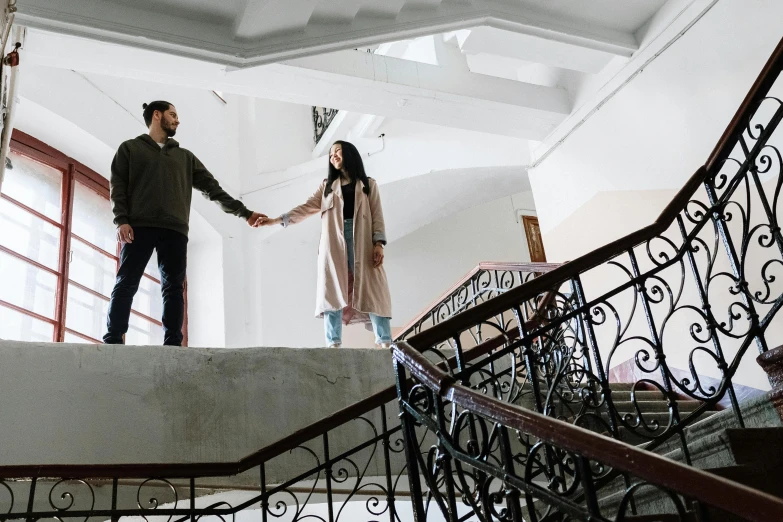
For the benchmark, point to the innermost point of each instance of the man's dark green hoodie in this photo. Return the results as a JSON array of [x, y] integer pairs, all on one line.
[[152, 186]]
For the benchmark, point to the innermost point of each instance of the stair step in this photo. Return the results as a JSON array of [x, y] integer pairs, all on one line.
[[634, 437], [766, 480], [641, 395], [661, 416], [689, 517], [655, 406], [758, 447]]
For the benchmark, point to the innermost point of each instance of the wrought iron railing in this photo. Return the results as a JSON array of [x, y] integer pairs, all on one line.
[[490, 460], [345, 470], [349, 466], [322, 118], [689, 294], [485, 281]]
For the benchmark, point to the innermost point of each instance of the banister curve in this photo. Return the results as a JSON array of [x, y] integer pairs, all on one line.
[[743, 501]]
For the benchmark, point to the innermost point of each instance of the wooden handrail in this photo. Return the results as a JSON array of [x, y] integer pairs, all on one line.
[[536, 268], [690, 482]]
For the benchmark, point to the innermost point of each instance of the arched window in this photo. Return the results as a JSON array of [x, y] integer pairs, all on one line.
[[59, 254]]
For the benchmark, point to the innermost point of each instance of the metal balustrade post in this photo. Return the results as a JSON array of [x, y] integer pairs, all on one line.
[[590, 493], [410, 443], [264, 496], [192, 500], [532, 374], [444, 458], [710, 319], [328, 474], [31, 500], [114, 516], [512, 495], [592, 343], [387, 466], [659, 353]]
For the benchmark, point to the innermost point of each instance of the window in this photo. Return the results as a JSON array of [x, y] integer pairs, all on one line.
[[59, 255]]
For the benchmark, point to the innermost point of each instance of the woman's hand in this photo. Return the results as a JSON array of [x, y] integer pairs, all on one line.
[[255, 218], [377, 255], [267, 221]]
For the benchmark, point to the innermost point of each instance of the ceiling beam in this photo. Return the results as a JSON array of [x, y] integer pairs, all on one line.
[[281, 37], [524, 47], [350, 80]]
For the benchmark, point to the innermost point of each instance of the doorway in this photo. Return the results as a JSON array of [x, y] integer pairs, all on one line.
[[534, 243]]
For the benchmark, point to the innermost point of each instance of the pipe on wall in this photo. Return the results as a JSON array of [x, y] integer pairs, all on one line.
[[10, 109]]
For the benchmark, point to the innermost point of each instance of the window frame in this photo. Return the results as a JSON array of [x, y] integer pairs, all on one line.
[[72, 172]]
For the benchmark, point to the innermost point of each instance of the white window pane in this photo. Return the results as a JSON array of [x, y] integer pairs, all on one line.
[[148, 300], [70, 338], [36, 185], [29, 235], [91, 268], [16, 326], [86, 313], [143, 332], [92, 218], [26, 286], [152, 266]]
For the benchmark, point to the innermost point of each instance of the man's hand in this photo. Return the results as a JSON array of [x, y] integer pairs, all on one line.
[[125, 234], [377, 255], [254, 219]]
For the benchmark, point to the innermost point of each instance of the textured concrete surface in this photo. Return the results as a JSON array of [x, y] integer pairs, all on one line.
[[87, 404]]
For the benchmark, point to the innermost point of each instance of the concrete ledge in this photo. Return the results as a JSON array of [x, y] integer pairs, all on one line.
[[88, 404]]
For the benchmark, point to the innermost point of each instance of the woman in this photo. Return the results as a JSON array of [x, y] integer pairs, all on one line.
[[352, 284]]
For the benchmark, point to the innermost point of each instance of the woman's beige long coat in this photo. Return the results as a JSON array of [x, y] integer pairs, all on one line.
[[370, 288]]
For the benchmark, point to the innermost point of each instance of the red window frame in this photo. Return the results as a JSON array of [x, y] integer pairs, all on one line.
[[73, 172]]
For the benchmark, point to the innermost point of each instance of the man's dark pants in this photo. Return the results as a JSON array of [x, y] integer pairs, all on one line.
[[172, 250]]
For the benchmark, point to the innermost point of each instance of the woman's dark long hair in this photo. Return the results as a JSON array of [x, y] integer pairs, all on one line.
[[353, 165]]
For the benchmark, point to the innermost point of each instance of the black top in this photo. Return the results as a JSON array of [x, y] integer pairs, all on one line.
[[349, 198]]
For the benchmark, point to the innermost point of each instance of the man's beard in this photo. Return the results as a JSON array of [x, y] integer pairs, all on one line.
[[168, 129]]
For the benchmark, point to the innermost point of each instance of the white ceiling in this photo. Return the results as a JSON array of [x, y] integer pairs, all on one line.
[[251, 32]]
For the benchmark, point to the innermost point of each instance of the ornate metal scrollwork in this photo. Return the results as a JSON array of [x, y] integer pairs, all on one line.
[[322, 118]]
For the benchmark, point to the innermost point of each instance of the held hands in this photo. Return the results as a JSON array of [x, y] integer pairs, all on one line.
[[266, 221], [255, 218], [262, 220], [125, 234]]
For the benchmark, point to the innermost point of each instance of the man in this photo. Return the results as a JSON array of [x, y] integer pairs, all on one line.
[[152, 181]]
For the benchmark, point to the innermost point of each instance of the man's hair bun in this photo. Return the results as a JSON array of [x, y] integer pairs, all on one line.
[[143, 105]]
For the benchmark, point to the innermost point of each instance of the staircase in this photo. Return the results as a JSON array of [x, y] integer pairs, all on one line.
[[507, 409], [524, 465]]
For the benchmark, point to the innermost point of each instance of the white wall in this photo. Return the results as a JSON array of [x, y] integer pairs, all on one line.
[[424, 264], [662, 126], [206, 297], [283, 134]]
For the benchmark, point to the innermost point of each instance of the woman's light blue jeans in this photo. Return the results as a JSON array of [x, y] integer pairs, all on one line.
[[333, 320]]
